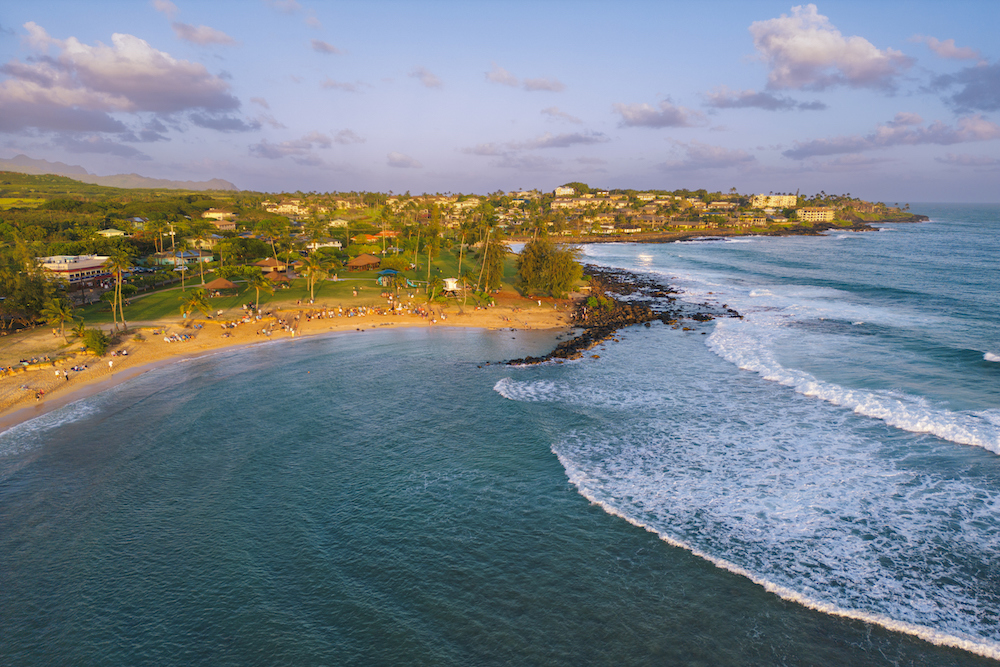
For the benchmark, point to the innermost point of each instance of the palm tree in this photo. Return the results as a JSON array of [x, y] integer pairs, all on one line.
[[197, 300], [178, 253], [119, 261], [258, 282], [314, 269], [59, 311], [201, 230]]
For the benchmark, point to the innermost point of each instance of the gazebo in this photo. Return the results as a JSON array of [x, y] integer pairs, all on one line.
[[220, 284], [364, 263], [276, 277]]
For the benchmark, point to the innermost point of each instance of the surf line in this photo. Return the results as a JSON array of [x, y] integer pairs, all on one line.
[[979, 646]]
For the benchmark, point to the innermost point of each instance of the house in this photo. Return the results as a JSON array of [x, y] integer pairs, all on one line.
[[218, 214], [111, 233], [339, 222], [777, 201], [75, 269], [564, 191], [181, 257], [316, 244], [271, 264], [224, 225]]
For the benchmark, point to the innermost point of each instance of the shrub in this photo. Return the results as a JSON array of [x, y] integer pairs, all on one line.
[[96, 341]]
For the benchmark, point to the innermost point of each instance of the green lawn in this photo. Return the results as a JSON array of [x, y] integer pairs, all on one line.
[[165, 304]]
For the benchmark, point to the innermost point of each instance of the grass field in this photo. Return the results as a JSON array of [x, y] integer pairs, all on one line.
[[166, 303], [7, 203]]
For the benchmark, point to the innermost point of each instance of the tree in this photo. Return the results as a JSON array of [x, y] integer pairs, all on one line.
[[96, 341], [543, 266], [197, 300], [491, 256], [314, 269], [257, 281], [59, 312], [119, 261], [201, 230]]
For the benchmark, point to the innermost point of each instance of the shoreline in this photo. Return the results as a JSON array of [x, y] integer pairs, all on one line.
[[18, 402]]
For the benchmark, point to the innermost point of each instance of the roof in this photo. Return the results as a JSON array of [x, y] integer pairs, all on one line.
[[276, 277], [220, 283], [364, 260]]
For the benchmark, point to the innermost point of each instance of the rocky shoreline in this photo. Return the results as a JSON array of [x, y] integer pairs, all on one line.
[[618, 299]]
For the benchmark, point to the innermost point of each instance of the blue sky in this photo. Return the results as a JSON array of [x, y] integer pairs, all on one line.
[[892, 101]]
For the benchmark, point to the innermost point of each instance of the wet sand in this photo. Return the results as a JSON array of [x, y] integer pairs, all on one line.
[[47, 380]]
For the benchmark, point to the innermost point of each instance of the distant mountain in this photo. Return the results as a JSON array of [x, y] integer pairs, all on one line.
[[26, 165]]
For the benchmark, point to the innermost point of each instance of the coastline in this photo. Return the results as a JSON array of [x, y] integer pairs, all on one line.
[[18, 402]]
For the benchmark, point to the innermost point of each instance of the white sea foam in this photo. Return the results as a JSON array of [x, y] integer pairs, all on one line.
[[977, 645], [990, 356], [746, 344], [24, 436]]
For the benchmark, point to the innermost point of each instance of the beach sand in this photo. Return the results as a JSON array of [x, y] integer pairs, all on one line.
[[43, 387]]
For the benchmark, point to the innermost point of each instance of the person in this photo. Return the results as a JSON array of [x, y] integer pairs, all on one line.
[[111, 363]]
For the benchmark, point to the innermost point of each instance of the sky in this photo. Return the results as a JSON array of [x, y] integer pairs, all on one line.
[[888, 100]]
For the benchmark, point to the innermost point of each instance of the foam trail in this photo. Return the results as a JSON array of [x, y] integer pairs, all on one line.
[[987, 648], [741, 344], [990, 356]]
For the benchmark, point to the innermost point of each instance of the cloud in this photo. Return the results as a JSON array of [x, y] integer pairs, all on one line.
[[312, 21], [549, 140], [947, 48], [723, 98], [527, 162], [850, 163], [401, 161], [668, 115], [554, 112], [551, 85], [966, 160], [201, 34], [301, 148], [223, 122], [804, 51], [284, 6], [346, 86], [261, 101], [489, 149], [594, 161], [426, 77], [906, 129], [99, 144], [503, 77], [270, 120], [705, 156], [319, 46], [979, 88], [165, 7], [128, 76], [346, 137], [500, 75]]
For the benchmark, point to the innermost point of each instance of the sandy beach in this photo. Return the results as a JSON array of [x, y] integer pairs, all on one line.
[[52, 382]]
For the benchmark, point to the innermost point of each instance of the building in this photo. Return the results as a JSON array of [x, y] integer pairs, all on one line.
[[775, 201], [75, 269], [218, 214], [180, 257], [815, 214], [563, 191], [224, 225], [111, 233]]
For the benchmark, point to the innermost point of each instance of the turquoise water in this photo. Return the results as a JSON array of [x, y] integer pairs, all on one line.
[[722, 496]]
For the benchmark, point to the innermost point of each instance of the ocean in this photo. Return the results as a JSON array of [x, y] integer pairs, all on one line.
[[815, 483]]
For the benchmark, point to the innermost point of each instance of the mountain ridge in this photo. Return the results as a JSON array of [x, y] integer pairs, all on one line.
[[23, 164]]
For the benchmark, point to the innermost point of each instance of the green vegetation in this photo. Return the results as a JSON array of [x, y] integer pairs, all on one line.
[[96, 341], [545, 267]]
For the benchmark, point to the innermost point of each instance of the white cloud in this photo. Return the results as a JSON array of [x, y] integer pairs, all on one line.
[[906, 129], [201, 34], [806, 51], [82, 84], [271, 120], [551, 85], [500, 75], [425, 77], [554, 112], [401, 161], [947, 48], [165, 7], [668, 115], [966, 160], [346, 86], [527, 162], [705, 156], [261, 101], [723, 98], [348, 137], [297, 147], [284, 6], [549, 140], [319, 46]]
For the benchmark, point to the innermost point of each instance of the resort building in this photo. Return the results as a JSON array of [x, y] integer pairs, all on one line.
[[773, 201], [815, 214], [218, 214], [75, 269]]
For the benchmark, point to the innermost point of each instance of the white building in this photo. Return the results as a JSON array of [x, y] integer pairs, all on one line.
[[75, 269]]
